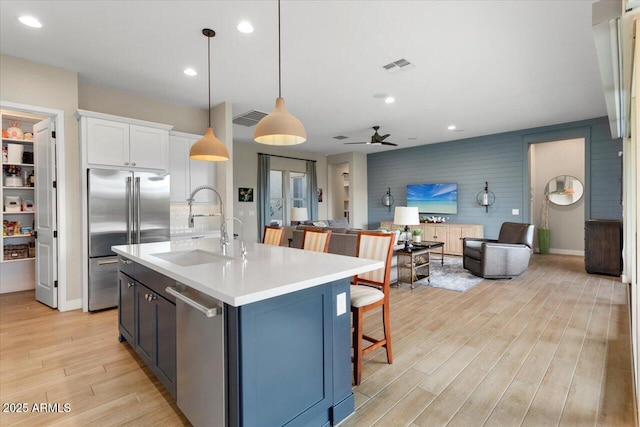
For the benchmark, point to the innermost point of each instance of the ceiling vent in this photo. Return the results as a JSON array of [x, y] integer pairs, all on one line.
[[399, 65], [250, 118], [340, 137]]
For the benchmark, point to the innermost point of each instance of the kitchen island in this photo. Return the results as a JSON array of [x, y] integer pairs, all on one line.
[[258, 341]]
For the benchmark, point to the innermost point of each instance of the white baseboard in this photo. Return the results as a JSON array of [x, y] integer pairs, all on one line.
[[74, 304], [566, 252], [16, 287]]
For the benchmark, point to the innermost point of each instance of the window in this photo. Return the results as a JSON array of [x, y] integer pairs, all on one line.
[[276, 203], [293, 184], [298, 189]]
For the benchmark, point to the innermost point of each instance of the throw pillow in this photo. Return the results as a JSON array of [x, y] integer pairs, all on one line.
[[319, 224]]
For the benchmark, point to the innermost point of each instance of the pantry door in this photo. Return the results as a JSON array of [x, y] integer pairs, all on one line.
[[44, 149]]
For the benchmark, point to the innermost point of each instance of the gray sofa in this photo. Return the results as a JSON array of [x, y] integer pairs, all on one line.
[[503, 258], [342, 242]]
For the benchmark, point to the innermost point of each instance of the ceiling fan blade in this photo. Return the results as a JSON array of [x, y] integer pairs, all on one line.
[[383, 137], [348, 143], [389, 143]]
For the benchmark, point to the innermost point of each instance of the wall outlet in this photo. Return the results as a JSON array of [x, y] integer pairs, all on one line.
[[341, 304], [515, 211]]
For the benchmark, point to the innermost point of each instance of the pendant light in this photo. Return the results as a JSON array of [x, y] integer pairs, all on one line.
[[280, 127], [209, 147]]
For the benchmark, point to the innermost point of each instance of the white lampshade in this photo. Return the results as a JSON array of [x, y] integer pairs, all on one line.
[[209, 148], [299, 214], [280, 127], [405, 215]]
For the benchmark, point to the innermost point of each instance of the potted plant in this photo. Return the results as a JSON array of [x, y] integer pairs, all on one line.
[[417, 235], [544, 234]]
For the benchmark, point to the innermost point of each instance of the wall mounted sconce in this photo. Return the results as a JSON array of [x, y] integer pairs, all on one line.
[[387, 199], [486, 198]]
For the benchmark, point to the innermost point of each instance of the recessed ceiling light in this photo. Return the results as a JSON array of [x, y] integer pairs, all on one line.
[[389, 100], [380, 95], [452, 127], [190, 72], [30, 21], [245, 27]]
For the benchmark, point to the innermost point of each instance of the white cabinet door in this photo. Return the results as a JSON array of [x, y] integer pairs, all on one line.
[[108, 142], [187, 174], [202, 173], [45, 217], [148, 147], [179, 168]]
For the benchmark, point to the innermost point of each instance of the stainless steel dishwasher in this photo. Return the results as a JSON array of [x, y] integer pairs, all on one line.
[[200, 365]]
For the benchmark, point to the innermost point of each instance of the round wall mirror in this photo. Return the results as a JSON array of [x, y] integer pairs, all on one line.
[[564, 190]]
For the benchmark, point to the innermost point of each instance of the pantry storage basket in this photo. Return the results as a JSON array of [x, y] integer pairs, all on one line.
[[12, 252]]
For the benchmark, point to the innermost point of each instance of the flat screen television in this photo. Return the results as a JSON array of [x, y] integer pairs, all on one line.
[[433, 198]]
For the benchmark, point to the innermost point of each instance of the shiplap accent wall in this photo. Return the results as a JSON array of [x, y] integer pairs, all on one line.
[[501, 160]]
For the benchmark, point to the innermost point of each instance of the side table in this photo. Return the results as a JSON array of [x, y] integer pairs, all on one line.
[[415, 263]]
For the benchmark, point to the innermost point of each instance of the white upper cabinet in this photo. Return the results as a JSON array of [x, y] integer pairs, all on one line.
[[123, 143], [107, 143], [148, 147], [187, 174]]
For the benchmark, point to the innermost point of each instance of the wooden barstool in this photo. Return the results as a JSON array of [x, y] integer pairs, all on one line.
[[316, 240], [273, 235], [371, 290]]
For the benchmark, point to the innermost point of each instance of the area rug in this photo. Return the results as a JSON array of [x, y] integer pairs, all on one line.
[[450, 276]]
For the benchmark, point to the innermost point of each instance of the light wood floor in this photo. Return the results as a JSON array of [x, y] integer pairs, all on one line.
[[550, 347]]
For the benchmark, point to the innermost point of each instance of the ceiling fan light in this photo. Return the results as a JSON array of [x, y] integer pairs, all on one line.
[[280, 127], [209, 148]]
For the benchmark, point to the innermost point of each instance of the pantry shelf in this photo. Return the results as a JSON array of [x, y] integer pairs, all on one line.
[[16, 236], [19, 260], [19, 213]]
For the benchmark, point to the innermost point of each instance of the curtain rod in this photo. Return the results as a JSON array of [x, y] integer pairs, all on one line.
[[287, 157]]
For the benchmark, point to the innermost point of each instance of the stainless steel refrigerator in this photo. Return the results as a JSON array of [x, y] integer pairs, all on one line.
[[124, 208]]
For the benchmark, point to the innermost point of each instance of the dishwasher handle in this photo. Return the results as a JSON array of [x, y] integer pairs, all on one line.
[[207, 311]]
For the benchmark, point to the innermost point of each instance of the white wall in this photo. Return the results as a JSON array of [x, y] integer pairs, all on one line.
[[110, 101], [548, 160], [358, 187], [40, 85], [245, 174]]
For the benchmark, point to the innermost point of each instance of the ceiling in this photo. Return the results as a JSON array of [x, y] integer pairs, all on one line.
[[484, 66]]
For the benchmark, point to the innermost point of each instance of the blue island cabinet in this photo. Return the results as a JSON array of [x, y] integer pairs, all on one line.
[[289, 360]]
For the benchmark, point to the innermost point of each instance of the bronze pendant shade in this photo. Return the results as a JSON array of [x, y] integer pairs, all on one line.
[[280, 127], [209, 147]]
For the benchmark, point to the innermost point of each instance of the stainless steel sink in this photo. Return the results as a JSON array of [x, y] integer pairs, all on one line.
[[190, 258]]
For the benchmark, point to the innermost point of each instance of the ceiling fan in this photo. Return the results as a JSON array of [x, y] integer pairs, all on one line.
[[376, 139]]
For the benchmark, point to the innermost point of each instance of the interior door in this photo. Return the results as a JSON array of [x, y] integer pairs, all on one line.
[[44, 149]]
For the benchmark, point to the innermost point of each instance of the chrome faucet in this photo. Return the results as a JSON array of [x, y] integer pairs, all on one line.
[[224, 239], [243, 248]]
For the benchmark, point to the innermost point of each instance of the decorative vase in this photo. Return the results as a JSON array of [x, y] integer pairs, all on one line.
[[544, 234]]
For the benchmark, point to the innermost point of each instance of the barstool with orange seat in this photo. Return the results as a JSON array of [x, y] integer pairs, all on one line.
[[273, 235], [371, 290], [316, 240]]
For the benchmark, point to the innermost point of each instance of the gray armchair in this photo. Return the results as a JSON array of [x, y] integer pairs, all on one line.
[[505, 257]]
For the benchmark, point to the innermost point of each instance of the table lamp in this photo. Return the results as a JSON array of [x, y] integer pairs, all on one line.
[[298, 215], [405, 215]]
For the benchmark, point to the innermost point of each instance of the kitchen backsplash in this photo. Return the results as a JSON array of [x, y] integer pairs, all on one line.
[[180, 218]]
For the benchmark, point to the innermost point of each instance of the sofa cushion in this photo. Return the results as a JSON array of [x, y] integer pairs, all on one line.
[[342, 222]]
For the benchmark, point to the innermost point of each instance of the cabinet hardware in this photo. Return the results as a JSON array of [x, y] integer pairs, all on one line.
[[129, 284], [126, 163], [125, 261], [133, 164]]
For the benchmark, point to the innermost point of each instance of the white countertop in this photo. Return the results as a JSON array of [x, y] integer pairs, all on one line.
[[267, 272]]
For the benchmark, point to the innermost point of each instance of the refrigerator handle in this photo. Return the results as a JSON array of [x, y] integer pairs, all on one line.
[[137, 207], [129, 210]]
